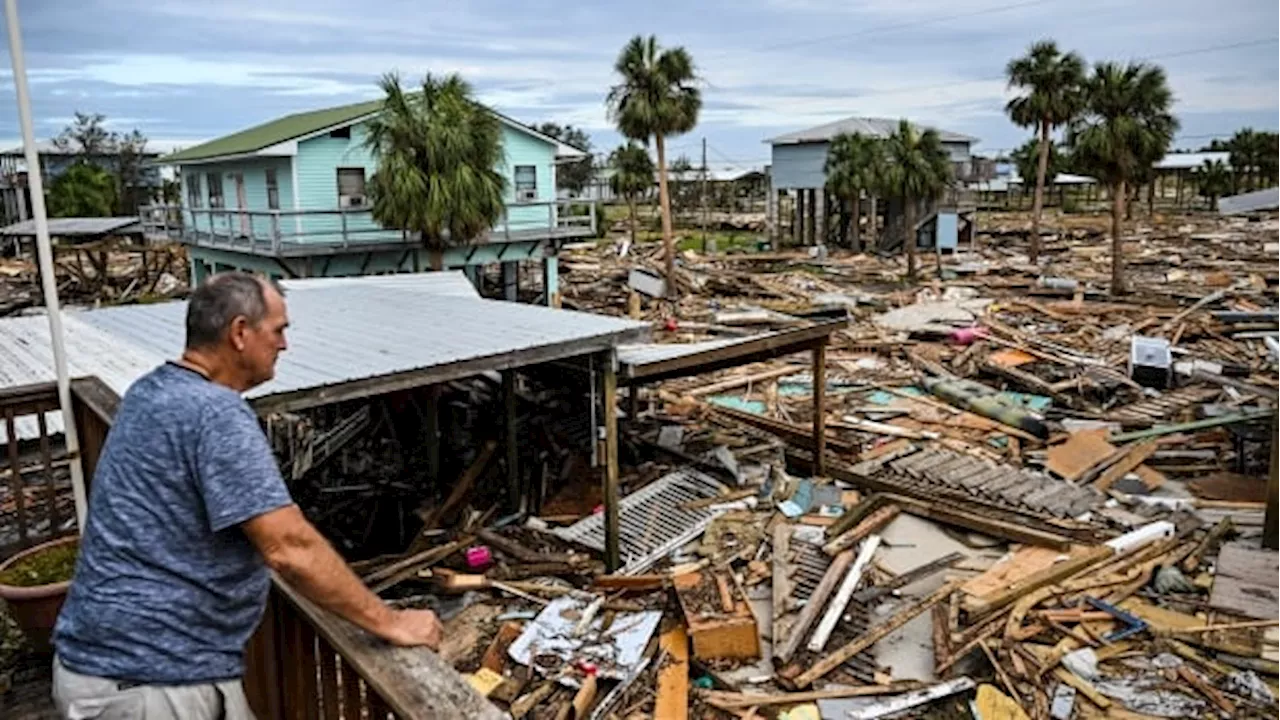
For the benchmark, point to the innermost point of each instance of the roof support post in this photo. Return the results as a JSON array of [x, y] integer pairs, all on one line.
[[1271, 523], [515, 494], [551, 277], [820, 408], [609, 383]]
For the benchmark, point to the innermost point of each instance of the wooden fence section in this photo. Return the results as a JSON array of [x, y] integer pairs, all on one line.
[[36, 503]]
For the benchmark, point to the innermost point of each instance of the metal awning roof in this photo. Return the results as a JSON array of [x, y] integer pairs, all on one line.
[[348, 338], [649, 363], [76, 227]]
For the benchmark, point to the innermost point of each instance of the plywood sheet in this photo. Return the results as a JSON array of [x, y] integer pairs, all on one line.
[[1245, 582], [1084, 449]]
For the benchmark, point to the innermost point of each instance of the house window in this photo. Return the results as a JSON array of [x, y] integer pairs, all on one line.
[[194, 199], [342, 132], [273, 190], [526, 183], [215, 190], [350, 187]]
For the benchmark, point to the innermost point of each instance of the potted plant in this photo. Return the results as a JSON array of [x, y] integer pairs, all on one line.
[[34, 583]]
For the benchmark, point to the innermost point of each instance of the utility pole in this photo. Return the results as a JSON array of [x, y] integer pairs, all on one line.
[[704, 198]]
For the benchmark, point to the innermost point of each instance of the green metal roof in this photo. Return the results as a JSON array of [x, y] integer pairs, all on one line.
[[273, 132]]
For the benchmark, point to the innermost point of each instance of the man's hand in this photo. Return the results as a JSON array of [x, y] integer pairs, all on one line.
[[410, 628]]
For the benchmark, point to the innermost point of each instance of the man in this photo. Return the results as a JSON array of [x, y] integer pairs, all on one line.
[[187, 511]]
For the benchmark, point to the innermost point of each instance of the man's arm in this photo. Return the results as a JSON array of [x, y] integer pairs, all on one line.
[[297, 551]]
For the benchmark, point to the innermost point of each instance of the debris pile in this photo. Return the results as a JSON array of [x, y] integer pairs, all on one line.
[[1036, 499], [104, 272]]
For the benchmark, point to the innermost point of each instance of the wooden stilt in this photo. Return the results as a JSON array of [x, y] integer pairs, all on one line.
[[819, 409], [612, 497]]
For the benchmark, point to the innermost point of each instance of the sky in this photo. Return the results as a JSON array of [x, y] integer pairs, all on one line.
[[183, 71]]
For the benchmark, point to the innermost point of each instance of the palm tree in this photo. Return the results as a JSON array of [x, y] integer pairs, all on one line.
[[1126, 127], [1052, 82], [657, 99], [632, 176], [1213, 180], [1244, 147], [438, 152], [855, 164], [1026, 158], [918, 170]]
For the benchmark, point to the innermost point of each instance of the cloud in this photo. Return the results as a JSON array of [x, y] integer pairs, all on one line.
[[768, 65]]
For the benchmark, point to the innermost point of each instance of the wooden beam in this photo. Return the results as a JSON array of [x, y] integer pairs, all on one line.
[[813, 607], [515, 495], [612, 495], [819, 410], [672, 699], [1271, 519], [875, 635]]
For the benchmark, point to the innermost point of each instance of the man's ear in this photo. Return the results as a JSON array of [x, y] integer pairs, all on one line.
[[236, 332]]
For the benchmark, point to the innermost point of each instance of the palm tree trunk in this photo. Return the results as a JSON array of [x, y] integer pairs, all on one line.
[[631, 206], [1117, 246], [871, 224], [855, 217], [909, 209], [1037, 203], [664, 199]]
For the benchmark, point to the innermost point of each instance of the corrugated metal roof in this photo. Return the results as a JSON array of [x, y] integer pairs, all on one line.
[[70, 227], [1191, 160], [1255, 201], [643, 353], [873, 127], [341, 330]]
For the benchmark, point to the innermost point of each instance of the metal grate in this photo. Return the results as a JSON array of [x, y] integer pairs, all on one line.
[[652, 522]]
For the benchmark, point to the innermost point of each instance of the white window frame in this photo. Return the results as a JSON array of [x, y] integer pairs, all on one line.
[[195, 198], [529, 191], [352, 200], [217, 201]]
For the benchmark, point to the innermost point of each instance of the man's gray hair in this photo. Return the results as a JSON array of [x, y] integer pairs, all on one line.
[[219, 300]]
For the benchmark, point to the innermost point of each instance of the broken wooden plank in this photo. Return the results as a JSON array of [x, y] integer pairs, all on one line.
[[900, 581], [495, 657], [833, 612], [817, 601], [872, 523], [1083, 450], [879, 632], [1134, 456], [733, 700], [1244, 582], [672, 699]]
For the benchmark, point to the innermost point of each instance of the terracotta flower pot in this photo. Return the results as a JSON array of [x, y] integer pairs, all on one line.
[[36, 608]]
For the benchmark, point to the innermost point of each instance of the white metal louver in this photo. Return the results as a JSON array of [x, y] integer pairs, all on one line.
[[652, 522]]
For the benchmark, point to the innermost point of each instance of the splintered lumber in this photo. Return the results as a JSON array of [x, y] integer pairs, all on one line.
[[833, 612], [814, 606], [743, 380], [872, 523], [1133, 457], [525, 703], [879, 632], [733, 700], [723, 625], [495, 657], [1215, 696], [782, 584], [987, 525], [672, 699], [900, 581], [460, 490], [1076, 561], [1084, 686]]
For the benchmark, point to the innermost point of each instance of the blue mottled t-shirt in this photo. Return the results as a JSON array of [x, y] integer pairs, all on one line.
[[167, 587]]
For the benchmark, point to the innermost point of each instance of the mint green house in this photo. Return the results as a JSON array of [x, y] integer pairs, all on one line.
[[287, 198]]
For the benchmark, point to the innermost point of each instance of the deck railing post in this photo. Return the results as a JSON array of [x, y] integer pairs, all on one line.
[[342, 213], [506, 223], [275, 232]]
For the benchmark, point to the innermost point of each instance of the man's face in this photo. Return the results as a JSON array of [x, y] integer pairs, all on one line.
[[260, 344]]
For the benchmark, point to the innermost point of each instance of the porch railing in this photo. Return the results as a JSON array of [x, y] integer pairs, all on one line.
[[272, 232], [302, 663]]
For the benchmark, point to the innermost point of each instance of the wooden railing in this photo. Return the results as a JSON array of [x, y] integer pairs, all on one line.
[[302, 663], [36, 503], [276, 232]]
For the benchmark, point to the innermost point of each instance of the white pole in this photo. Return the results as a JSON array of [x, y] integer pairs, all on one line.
[[44, 251]]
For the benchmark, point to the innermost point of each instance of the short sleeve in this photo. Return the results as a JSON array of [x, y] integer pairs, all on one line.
[[238, 476]]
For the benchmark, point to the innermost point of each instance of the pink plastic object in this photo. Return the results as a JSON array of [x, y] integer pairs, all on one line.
[[966, 336], [478, 557]]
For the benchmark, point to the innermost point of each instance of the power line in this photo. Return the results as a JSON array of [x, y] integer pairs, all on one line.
[[896, 26]]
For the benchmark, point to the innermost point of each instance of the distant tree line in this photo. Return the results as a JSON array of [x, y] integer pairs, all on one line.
[[107, 175]]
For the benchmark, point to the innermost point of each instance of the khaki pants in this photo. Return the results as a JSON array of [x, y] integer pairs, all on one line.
[[82, 697]]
